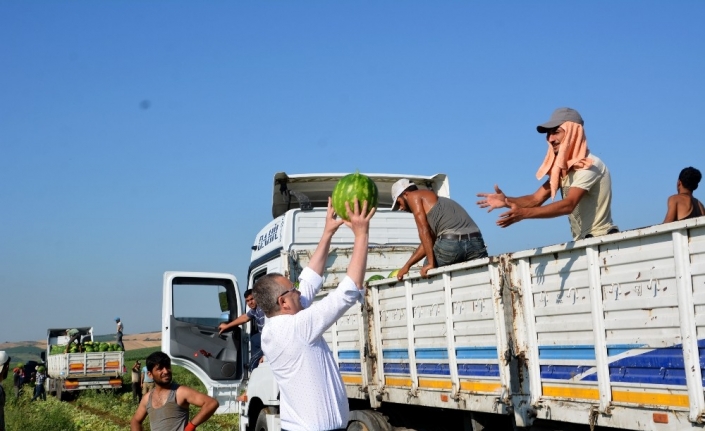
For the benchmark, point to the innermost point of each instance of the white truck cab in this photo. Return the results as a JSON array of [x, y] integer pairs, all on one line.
[[193, 302]]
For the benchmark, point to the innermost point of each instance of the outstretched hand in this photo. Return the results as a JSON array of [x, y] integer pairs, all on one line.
[[492, 200], [333, 222], [515, 214], [359, 221]]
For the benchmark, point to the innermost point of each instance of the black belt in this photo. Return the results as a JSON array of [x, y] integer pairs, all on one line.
[[460, 237]]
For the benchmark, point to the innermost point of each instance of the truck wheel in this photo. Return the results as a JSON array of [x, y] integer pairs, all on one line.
[[368, 420], [261, 424]]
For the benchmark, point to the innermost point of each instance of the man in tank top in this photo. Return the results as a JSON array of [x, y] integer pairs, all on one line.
[[167, 405], [683, 205], [447, 232]]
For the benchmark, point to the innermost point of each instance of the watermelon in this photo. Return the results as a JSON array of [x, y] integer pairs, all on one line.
[[393, 274], [375, 278], [353, 186]]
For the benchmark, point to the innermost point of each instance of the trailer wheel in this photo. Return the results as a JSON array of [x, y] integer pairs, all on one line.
[[261, 424], [368, 420]]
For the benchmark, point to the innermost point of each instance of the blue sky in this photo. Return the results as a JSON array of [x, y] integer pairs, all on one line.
[[141, 137]]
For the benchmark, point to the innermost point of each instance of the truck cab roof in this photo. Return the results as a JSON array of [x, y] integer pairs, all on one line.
[[307, 191]]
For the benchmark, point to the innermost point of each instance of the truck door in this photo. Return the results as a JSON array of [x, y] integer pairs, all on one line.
[[194, 304]]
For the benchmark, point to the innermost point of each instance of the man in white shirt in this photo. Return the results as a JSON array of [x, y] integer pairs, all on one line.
[[312, 393], [583, 179]]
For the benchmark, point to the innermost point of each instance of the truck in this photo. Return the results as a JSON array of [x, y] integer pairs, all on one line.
[[70, 372], [600, 332]]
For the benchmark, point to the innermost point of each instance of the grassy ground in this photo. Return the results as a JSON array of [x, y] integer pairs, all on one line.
[[91, 410]]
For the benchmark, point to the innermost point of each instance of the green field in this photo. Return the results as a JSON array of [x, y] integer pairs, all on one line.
[[24, 354], [105, 410]]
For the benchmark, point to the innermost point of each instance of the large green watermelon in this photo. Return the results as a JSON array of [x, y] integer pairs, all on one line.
[[375, 278], [353, 186]]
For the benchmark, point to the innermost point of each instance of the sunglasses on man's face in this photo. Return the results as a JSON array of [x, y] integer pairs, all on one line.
[[293, 289]]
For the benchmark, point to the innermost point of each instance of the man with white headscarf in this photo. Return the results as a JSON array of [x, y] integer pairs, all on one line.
[[583, 179]]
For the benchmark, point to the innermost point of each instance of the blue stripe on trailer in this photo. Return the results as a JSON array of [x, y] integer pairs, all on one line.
[[465, 370], [432, 353], [478, 370], [435, 369], [348, 354], [663, 376], [489, 352], [567, 352], [618, 349], [663, 366], [395, 354], [396, 368], [347, 367], [563, 372]]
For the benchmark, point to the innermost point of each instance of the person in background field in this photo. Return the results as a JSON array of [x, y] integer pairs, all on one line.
[[256, 315], [74, 337], [146, 381], [118, 335], [17, 376], [312, 394], [167, 405], [447, 232], [683, 205], [4, 368], [39, 379], [583, 179], [136, 382]]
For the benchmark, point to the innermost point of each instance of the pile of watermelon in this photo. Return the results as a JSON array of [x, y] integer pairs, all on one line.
[[87, 347]]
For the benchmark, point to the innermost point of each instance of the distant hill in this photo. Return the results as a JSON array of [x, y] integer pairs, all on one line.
[[24, 351]]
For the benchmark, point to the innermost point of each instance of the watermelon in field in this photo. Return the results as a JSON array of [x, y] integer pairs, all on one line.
[[353, 186]]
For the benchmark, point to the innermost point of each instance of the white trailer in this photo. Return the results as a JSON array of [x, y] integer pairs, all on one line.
[[67, 372], [605, 331]]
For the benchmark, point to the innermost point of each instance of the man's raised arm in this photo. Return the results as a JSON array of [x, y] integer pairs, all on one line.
[[499, 200], [360, 225], [318, 260]]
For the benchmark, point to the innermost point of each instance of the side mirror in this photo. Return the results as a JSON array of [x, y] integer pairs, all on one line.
[[43, 355]]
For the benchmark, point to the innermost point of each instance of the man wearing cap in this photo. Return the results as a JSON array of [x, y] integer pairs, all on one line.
[[582, 177], [448, 235]]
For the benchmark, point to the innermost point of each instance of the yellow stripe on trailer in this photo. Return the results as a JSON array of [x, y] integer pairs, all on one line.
[[397, 381], [654, 398], [571, 392], [480, 386], [619, 396], [435, 384], [352, 379]]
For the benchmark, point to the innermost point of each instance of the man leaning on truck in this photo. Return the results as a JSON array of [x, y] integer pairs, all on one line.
[[583, 179], [447, 232], [312, 394], [74, 337]]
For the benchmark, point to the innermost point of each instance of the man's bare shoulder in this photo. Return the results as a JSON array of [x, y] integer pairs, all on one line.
[[424, 198], [678, 199]]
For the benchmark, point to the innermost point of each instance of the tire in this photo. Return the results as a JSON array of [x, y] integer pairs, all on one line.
[[368, 420], [261, 424]]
